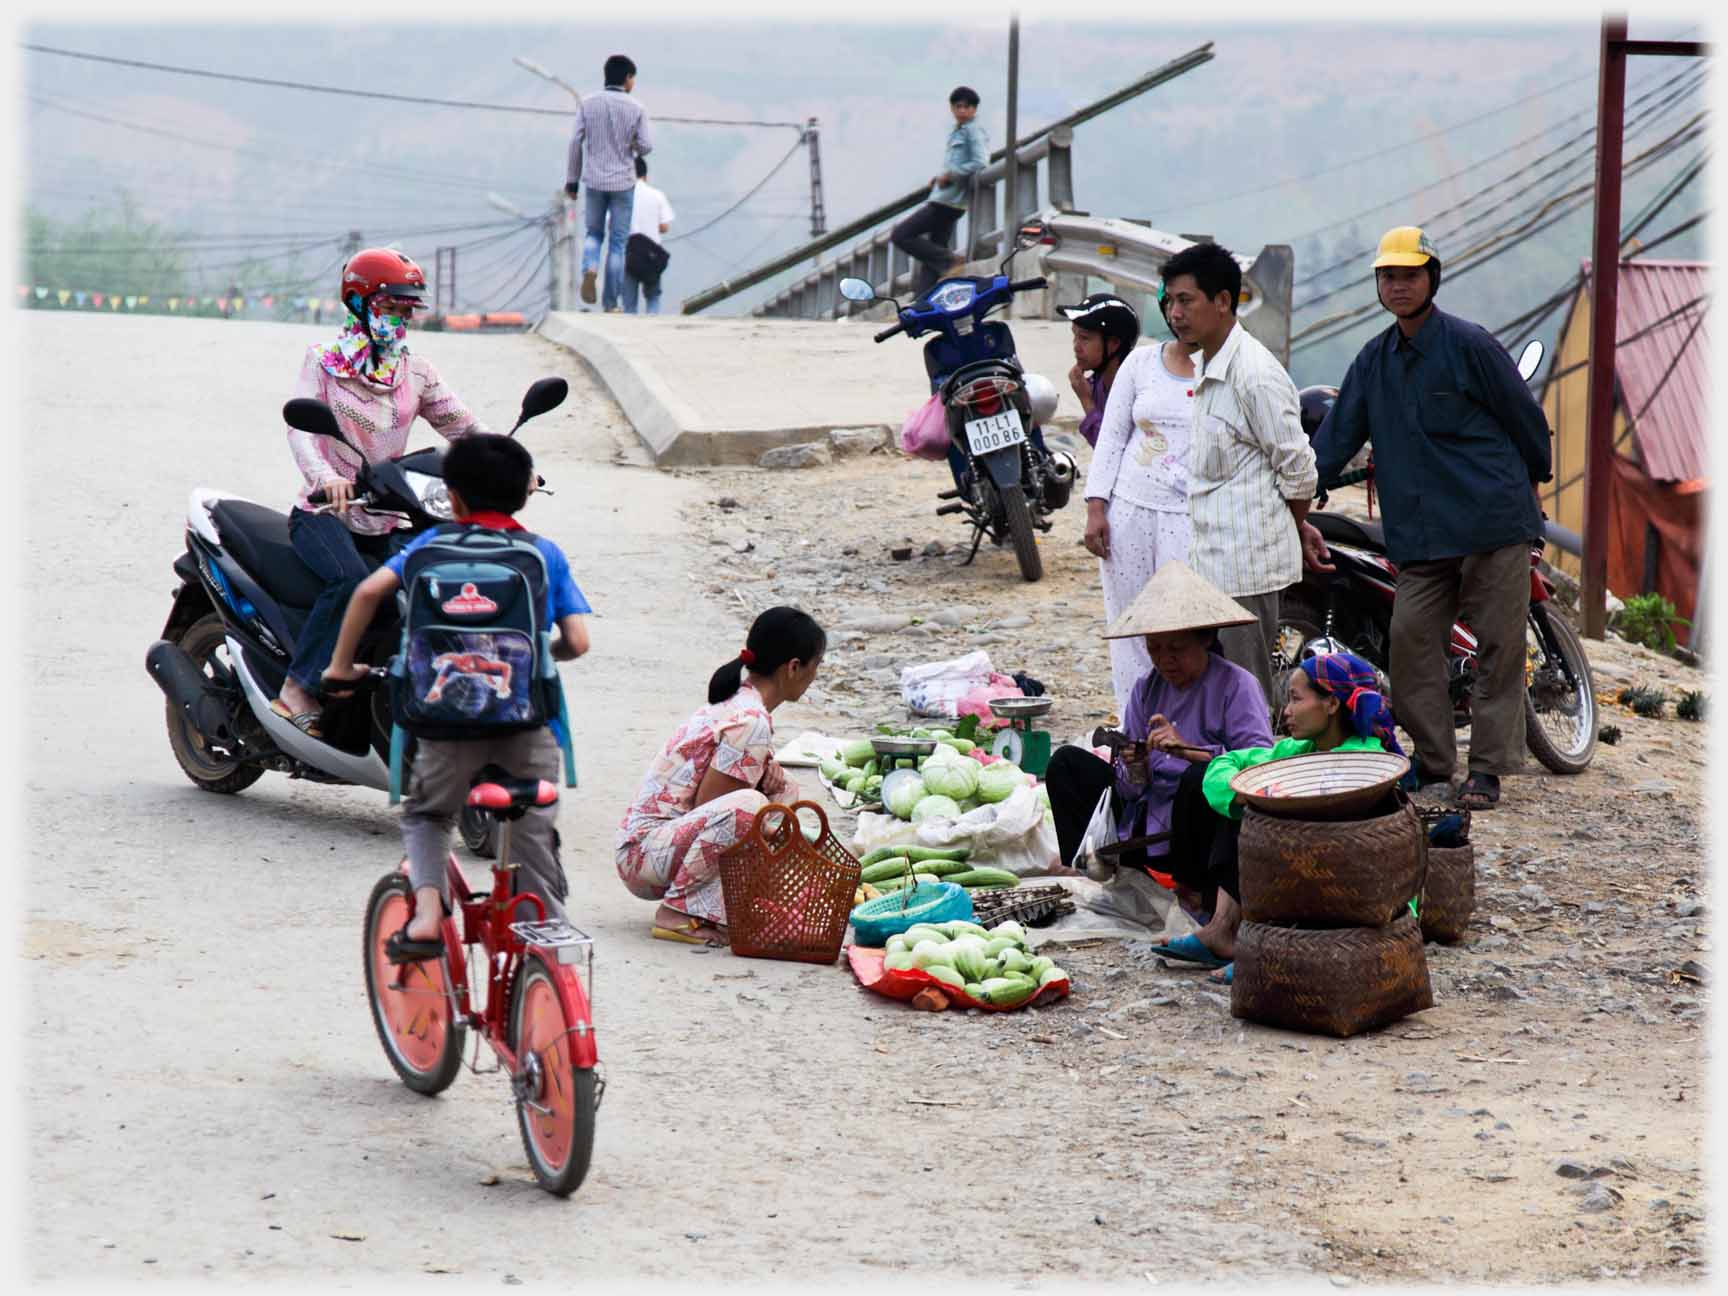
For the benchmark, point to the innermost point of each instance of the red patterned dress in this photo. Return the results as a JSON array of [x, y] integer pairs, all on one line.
[[668, 848]]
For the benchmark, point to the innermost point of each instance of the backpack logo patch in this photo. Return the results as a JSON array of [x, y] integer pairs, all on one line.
[[470, 602], [487, 671]]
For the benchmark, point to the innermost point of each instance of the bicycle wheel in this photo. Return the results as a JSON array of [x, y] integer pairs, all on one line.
[[411, 1004], [554, 1097]]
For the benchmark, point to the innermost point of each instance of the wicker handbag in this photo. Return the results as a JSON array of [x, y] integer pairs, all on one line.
[[1338, 982], [787, 896], [1449, 894], [1329, 873]]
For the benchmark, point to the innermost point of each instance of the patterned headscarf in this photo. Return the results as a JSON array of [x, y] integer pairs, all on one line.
[[372, 356], [1352, 681]]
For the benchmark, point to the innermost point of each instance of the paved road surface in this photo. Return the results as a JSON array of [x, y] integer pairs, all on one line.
[[205, 1093]]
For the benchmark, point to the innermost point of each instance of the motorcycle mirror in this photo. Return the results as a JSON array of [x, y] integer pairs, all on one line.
[[546, 394], [1529, 359], [857, 290], [307, 415]]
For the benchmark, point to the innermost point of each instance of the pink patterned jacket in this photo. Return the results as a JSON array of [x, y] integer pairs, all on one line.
[[376, 419]]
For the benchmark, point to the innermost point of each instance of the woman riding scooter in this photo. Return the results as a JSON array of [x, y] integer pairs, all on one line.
[[376, 389]]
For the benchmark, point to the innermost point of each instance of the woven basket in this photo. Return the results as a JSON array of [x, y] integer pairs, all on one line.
[[1330, 982], [788, 897], [1449, 895], [1329, 873]]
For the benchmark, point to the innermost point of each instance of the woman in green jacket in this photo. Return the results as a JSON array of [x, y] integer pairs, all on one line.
[[1334, 705]]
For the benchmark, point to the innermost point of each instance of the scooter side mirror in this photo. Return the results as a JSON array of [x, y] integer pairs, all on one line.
[[857, 290], [307, 415], [546, 394], [1530, 359]]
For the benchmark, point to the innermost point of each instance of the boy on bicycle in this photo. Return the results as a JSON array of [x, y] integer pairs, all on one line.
[[488, 478]]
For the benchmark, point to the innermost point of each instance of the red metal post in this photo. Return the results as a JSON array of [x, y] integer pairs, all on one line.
[[1604, 320]]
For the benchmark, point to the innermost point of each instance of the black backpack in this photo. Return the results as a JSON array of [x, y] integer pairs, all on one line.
[[475, 658], [645, 259]]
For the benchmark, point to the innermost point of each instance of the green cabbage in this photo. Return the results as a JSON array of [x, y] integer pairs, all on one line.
[[901, 791], [935, 807], [953, 779], [997, 782]]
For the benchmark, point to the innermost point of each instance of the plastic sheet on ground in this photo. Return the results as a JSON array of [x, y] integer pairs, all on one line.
[[1011, 834], [1131, 906]]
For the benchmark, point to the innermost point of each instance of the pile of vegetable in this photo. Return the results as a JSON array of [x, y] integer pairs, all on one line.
[[986, 968], [862, 772], [889, 868]]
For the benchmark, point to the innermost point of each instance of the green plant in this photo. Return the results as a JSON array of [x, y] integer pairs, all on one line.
[[1609, 734], [1691, 704], [1649, 619], [1645, 701]]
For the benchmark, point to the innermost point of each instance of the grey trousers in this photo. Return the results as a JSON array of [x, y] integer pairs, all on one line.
[[438, 789], [1489, 592], [1250, 646]]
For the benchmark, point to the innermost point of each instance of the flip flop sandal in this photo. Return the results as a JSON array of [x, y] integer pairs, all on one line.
[[1225, 975], [1189, 949], [683, 933], [306, 722], [402, 948], [1475, 794]]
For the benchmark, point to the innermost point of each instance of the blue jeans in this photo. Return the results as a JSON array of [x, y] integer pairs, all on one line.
[[331, 550], [616, 206], [650, 294]]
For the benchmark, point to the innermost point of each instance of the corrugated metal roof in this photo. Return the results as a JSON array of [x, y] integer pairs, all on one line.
[[1665, 374]]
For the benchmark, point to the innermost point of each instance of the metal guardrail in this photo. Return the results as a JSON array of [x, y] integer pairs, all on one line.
[[890, 271]]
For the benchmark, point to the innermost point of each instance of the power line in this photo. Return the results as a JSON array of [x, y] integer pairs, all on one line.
[[1678, 230], [380, 94], [746, 198]]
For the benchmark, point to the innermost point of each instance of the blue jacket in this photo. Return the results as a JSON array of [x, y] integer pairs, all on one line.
[[965, 154], [1458, 440]]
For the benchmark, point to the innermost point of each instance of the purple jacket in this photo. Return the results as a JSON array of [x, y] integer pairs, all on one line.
[[1092, 422], [1224, 710]]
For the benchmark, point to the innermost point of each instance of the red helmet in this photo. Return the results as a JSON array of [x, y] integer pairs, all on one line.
[[382, 270]]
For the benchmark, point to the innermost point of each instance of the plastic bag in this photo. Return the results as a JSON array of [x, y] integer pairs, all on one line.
[[951, 689], [924, 434], [1012, 834]]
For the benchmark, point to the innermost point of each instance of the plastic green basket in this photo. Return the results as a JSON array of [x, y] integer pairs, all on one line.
[[874, 921]]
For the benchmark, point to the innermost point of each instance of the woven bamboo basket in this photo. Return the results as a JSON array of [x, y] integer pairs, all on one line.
[[1329, 873], [1449, 894], [1338, 982], [787, 896]]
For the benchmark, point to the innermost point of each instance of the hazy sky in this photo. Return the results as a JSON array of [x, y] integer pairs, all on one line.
[[1231, 149]]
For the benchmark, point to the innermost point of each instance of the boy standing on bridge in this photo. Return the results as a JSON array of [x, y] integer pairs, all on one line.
[[926, 235]]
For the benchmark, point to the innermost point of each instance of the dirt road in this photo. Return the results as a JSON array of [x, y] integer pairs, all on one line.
[[205, 1096]]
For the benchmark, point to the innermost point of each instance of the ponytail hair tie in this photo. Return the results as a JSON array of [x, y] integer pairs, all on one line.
[[746, 656]]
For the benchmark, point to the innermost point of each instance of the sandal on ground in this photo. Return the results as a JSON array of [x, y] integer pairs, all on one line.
[[684, 933], [1190, 949], [306, 722], [402, 948], [1225, 975], [1478, 792]]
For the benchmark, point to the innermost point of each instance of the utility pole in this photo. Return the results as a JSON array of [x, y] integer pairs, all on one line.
[[818, 215], [1011, 180], [443, 277]]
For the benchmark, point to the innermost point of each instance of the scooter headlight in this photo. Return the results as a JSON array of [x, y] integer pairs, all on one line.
[[435, 499], [954, 296]]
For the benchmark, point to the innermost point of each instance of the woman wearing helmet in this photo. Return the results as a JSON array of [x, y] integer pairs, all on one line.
[[376, 389], [1105, 331], [1137, 488]]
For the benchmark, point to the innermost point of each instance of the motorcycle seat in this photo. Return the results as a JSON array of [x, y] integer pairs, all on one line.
[[1348, 530], [258, 538]]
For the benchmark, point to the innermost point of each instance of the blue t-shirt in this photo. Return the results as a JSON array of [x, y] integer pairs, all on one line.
[[562, 597]]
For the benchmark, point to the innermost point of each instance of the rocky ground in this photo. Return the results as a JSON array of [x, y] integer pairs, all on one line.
[[1541, 1123]]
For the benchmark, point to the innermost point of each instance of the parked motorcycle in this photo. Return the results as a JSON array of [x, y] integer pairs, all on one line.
[[1350, 609], [243, 598], [1010, 481]]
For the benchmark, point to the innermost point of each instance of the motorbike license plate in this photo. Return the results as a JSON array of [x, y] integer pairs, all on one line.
[[997, 432]]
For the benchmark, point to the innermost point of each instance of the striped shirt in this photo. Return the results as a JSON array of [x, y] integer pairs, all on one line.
[[611, 132], [1248, 455]]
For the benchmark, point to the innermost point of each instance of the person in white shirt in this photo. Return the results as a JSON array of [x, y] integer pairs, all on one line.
[[1137, 489], [651, 217], [1251, 472]]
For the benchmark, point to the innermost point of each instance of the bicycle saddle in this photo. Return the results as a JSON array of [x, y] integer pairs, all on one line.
[[495, 789]]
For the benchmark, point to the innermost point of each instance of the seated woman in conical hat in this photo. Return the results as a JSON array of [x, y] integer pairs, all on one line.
[[1191, 706]]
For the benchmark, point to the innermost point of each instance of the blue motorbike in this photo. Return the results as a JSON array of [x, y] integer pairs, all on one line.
[[1006, 481]]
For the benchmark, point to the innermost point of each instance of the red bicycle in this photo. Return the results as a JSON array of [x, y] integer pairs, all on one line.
[[536, 1015]]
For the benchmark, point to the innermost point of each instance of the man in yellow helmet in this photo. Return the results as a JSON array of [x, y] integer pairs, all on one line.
[[1459, 443]]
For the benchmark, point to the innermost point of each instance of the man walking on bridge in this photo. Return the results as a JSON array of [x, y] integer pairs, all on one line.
[[926, 234], [611, 133]]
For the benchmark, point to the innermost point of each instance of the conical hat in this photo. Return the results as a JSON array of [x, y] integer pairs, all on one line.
[[1177, 598]]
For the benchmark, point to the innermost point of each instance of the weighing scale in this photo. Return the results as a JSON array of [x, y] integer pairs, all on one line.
[[1027, 747]]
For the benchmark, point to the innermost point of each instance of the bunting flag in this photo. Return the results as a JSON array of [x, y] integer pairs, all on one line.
[[207, 301], [173, 303], [299, 303], [131, 301], [41, 294], [81, 296], [97, 300], [222, 303], [113, 302], [23, 290], [64, 295], [143, 301], [269, 302]]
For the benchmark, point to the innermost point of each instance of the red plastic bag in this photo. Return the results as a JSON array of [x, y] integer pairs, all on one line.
[[924, 434]]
